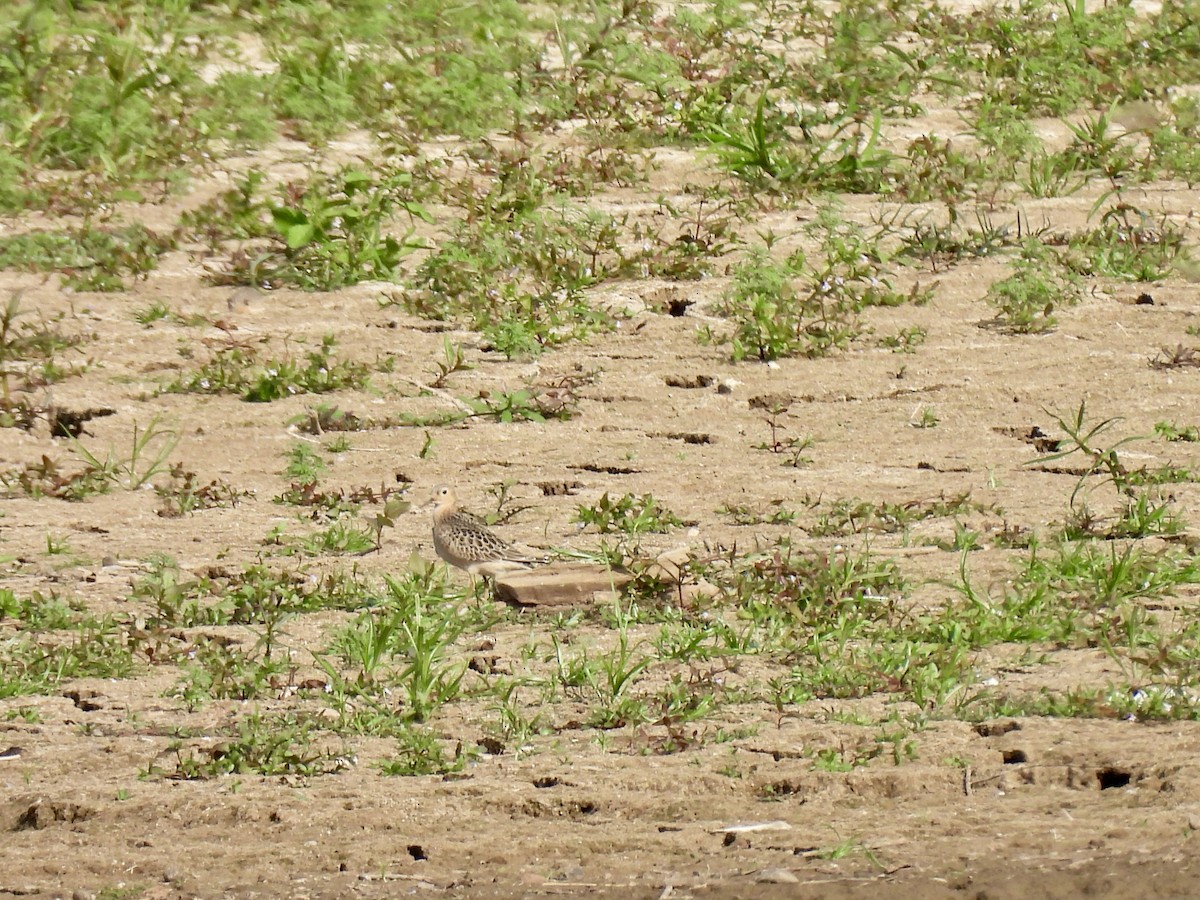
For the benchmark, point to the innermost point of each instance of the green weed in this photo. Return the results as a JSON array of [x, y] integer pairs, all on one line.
[[263, 745], [149, 448], [89, 259], [420, 751], [627, 514], [240, 369], [1027, 300]]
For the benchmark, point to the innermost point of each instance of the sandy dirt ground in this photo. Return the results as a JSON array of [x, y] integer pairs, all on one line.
[[1010, 807]]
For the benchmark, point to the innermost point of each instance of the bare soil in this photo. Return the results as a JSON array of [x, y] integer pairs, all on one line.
[[1044, 807]]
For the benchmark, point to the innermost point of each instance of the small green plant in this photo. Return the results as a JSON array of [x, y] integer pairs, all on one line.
[[781, 580], [149, 448], [57, 546], [264, 745], [1027, 300], [792, 447], [627, 514], [769, 316], [754, 153], [906, 340], [842, 154], [339, 539], [524, 405], [604, 679], [220, 671], [239, 369], [1129, 245], [1169, 431], [41, 612], [557, 400], [304, 464], [235, 213], [151, 313], [326, 418], [925, 416], [46, 478], [393, 508], [943, 244], [452, 361], [86, 648], [367, 645], [809, 306], [331, 232], [1084, 441], [1142, 512], [419, 751], [513, 725], [854, 516], [425, 625], [520, 279], [741, 514]]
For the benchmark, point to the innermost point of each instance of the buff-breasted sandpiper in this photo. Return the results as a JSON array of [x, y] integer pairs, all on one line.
[[464, 540]]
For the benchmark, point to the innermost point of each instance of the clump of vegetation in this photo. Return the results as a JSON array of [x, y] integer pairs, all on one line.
[[89, 258], [240, 369], [263, 745], [628, 514], [1144, 511], [330, 232], [808, 307], [520, 281], [1027, 300], [1128, 245]]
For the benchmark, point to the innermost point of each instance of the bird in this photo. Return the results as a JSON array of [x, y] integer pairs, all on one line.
[[464, 541]]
